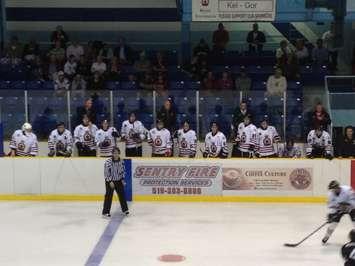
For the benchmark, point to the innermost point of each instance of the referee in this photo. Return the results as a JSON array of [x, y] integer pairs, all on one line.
[[114, 180]]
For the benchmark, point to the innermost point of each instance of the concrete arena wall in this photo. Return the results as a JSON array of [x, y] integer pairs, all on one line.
[[82, 179]]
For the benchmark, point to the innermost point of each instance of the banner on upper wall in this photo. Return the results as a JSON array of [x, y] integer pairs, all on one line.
[[182, 177], [268, 179], [233, 10]]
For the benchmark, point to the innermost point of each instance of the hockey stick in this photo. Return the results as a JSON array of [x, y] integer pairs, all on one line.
[[304, 239]]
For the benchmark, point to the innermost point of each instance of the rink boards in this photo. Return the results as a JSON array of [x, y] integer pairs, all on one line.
[[154, 179]]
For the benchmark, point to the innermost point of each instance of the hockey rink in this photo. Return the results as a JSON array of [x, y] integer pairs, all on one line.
[[206, 234]]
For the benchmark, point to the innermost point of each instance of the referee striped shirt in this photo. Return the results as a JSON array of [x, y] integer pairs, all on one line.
[[114, 170]]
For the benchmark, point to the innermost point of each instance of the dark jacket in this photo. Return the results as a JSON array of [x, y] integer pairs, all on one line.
[[260, 37], [238, 116], [347, 147], [168, 117]]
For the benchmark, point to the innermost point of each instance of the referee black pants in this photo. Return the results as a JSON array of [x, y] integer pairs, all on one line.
[[119, 187]]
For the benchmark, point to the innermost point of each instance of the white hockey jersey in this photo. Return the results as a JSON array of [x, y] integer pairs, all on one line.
[[160, 140], [187, 142], [105, 141], [86, 135], [24, 144], [133, 133], [246, 137], [216, 145], [265, 139], [313, 141], [346, 196], [60, 142]]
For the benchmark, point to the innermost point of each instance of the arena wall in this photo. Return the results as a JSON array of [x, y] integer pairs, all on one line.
[[238, 180]]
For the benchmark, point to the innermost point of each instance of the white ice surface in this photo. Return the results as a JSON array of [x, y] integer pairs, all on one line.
[[207, 234]]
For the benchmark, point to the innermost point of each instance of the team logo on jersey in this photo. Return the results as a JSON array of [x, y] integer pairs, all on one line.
[[21, 146], [87, 136], [60, 146], [300, 178], [213, 148], [158, 141], [267, 141], [106, 142], [205, 2], [243, 138], [184, 143]]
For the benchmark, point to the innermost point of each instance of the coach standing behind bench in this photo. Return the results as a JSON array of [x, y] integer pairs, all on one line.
[[114, 180]]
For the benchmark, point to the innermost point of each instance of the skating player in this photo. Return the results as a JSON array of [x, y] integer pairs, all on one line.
[[341, 201]]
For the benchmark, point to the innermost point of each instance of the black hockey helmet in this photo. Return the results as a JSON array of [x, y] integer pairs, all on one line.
[[334, 184], [352, 235]]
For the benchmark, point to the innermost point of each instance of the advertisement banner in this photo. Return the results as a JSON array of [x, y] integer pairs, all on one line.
[[267, 179], [184, 177], [233, 10]]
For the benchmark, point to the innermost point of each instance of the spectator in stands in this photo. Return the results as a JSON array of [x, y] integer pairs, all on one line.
[[347, 145], [61, 84], [159, 65], [114, 69], [59, 35], [99, 66], [220, 38], [320, 55], [201, 69], [319, 117], [256, 39], [58, 52], [96, 82], [329, 43], [276, 84], [83, 68], [243, 82], [353, 62], [37, 69], [146, 82], [240, 112], [160, 84], [301, 52], [52, 68], [225, 82], [143, 64], [106, 52], [291, 69], [167, 114], [282, 54], [78, 86], [76, 50], [123, 52], [208, 82], [14, 49], [70, 67], [202, 49], [31, 51], [44, 123], [87, 110]]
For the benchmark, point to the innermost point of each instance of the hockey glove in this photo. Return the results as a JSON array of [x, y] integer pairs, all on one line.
[[328, 156], [344, 208], [333, 218], [168, 153], [79, 145]]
